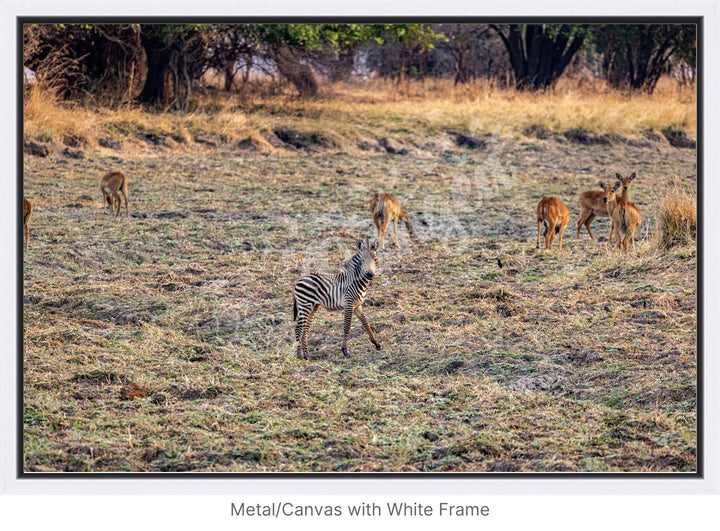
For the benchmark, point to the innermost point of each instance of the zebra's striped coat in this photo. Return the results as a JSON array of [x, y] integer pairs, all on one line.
[[344, 291]]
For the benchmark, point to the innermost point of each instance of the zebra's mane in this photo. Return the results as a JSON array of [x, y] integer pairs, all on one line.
[[355, 263]]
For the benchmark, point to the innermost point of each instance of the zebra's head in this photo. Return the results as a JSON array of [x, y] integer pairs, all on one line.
[[368, 258]]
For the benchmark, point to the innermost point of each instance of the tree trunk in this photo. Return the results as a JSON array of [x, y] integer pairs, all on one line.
[[229, 75], [297, 73], [343, 66], [158, 56], [540, 59]]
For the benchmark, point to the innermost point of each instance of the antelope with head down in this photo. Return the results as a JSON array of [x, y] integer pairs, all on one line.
[[111, 184], [554, 215], [385, 208]]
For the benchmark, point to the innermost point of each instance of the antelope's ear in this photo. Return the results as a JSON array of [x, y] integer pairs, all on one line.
[[602, 185], [632, 176], [617, 185], [374, 246], [619, 176]]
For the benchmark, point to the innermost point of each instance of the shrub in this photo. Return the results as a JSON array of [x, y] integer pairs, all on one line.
[[677, 218]]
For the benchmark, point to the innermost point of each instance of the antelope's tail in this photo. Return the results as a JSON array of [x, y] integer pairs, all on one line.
[[379, 206]]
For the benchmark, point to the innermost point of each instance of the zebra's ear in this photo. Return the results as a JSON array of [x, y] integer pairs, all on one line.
[[360, 245]]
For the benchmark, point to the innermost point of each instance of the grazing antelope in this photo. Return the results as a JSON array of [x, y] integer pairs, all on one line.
[[554, 214], [592, 204], [344, 291], [385, 208], [624, 215], [111, 183], [27, 212]]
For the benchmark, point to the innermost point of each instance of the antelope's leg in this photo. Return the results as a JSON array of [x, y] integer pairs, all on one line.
[[562, 231], [589, 220]]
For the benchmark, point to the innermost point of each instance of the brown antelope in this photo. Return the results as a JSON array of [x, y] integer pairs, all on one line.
[[554, 214], [592, 204], [385, 208], [624, 215], [27, 212], [111, 183]]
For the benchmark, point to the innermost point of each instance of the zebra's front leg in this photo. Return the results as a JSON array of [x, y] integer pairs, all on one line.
[[346, 327], [366, 325]]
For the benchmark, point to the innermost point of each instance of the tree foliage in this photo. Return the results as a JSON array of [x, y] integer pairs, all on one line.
[[76, 59], [635, 56], [169, 59]]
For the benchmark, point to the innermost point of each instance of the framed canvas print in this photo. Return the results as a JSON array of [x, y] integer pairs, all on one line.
[[333, 250]]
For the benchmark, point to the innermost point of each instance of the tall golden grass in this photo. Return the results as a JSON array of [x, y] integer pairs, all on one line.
[[348, 109], [676, 219]]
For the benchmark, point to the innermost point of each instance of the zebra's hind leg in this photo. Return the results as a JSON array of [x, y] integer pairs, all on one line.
[[298, 337], [366, 325], [308, 322], [305, 316]]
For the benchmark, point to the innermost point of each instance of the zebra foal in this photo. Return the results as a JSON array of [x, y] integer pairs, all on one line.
[[344, 291]]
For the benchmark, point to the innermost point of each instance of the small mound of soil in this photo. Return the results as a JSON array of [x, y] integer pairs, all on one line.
[[538, 131], [470, 142], [33, 148], [579, 136], [110, 144], [249, 144], [369, 146], [393, 146], [301, 140], [73, 153], [679, 139]]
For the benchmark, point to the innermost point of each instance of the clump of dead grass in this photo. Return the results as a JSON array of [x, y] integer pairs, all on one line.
[[676, 219]]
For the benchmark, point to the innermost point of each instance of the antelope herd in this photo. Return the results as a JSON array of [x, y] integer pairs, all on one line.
[[347, 289]]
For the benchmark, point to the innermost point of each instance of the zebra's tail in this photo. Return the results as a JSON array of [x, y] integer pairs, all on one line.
[[294, 308]]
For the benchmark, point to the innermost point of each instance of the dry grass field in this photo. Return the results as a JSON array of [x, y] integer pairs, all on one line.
[[165, 342]]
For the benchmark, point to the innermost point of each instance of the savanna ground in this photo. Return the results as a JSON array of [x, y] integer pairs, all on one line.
[[165, 342]]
